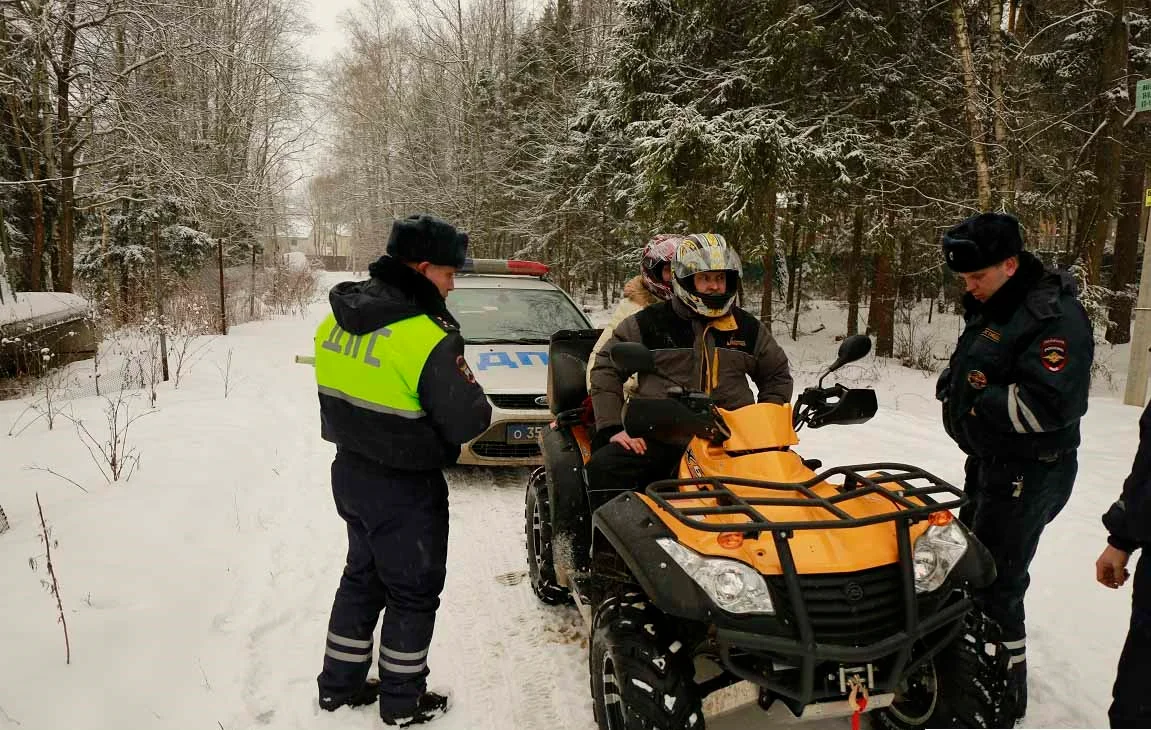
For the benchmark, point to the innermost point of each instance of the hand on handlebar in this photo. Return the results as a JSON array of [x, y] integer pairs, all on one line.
[[638, 446]]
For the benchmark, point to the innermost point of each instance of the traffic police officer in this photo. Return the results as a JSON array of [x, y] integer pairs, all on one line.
[[1013, 394], [398, 399]]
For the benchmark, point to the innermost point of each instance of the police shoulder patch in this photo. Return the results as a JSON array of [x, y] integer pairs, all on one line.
[[465, 369], [1053, 353], [977, 379]]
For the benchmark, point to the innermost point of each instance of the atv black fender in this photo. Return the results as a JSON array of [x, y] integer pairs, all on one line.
[[567, 493], [627, 527], [976, 567]]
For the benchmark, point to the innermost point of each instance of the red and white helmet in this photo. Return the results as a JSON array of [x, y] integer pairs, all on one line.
[[657, 254]]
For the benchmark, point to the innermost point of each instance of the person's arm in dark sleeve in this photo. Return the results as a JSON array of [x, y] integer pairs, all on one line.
[[607, 382], [1129, 520], [450, 394], [771, 373], [1052, 381]]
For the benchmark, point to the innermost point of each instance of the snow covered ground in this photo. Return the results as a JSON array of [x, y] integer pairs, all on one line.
[[196, 594]]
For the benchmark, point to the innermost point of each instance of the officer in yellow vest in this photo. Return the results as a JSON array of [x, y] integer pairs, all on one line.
[[398, 399]]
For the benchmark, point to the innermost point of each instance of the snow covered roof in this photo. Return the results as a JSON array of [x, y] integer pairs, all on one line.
[[37, 310]]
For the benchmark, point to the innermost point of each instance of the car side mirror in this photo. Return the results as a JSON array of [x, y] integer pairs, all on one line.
[[632, 357]]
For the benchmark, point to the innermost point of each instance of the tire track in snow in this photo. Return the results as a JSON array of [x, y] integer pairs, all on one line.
[[507, 636]]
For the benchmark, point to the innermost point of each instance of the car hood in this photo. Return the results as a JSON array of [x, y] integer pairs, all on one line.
[[509, 368]]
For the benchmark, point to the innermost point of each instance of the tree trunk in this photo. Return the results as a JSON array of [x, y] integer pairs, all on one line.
[[999, 110], [769, 258], [971, 92], [1095, 213], [793, 248], [855, 272], [883, 305], [905, 292], [1126, 253], [66, 235]]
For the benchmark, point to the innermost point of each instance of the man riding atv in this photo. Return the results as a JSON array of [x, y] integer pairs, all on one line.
[[701, 341]]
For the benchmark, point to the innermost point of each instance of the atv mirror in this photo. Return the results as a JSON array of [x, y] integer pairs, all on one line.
[[851, 349], [632, 357]]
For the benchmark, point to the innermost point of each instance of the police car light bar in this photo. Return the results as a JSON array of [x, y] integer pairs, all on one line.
[[504, 266]]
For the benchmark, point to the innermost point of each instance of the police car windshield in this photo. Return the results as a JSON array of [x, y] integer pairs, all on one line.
[[491, 316]]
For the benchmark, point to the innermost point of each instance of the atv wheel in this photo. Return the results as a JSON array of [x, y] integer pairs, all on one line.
[[961, 686], [642, 677], [538, 528]]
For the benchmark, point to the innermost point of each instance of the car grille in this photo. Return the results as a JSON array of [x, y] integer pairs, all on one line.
[[517, 401], [495, 450], [875, 613]]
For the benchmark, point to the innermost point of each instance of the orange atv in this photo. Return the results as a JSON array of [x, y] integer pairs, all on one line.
[[821, 589]]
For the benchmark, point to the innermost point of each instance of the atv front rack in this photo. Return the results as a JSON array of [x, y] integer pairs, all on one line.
[[904, 483]]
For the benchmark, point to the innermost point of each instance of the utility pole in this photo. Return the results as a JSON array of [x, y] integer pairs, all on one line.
[[159, 300], [1139, 362]]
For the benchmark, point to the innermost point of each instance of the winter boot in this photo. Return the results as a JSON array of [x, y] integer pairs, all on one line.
[[430, 706], [365, 695], [1015, 698]]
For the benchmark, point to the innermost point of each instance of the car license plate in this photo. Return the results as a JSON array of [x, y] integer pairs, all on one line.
[[525, 433]]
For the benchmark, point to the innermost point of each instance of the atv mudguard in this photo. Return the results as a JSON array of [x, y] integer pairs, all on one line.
[[627, 527], [567, 492]]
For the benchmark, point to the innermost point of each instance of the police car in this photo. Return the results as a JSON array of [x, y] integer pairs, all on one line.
[[507, 312]]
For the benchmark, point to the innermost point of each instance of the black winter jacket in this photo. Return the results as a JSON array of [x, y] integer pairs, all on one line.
[[1129, 519], [456, 408], [1019, 378]]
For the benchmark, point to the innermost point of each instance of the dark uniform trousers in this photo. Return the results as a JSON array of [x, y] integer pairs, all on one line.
[[1011, 501], [397, 556], [612, 469]]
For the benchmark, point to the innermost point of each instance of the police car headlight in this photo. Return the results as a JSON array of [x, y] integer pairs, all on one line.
[[734, 586], [937, 551]]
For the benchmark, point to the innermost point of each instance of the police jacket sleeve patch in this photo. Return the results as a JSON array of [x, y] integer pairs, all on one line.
[[450, 395]]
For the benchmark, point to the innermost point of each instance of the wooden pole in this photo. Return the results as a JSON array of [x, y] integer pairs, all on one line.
[[159, 300], [223, 303]]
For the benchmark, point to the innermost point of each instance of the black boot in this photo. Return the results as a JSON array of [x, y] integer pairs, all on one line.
[[365, 695], [1015, 698], [430, 706]]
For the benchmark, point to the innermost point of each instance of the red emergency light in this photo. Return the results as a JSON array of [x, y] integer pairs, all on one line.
[[504, 266]]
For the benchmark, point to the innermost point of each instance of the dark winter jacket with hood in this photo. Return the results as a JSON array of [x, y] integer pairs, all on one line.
[[1019, 378], [454, 407]]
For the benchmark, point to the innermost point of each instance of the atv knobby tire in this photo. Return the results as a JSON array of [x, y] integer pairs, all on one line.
[[538, 529], [642, 677], [962, 686]]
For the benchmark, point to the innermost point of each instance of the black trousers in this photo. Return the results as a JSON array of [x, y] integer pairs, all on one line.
[[397, 561], [1131, 700], [1011, 502], [612, 469]]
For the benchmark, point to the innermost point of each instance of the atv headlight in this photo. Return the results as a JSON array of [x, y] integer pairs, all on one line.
[[937, 551], [734, 586]]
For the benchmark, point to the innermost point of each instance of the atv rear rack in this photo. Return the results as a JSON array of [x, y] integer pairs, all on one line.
[[909, 482]]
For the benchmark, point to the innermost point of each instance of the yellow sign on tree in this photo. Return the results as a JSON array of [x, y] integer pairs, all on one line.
[[1147, 198]]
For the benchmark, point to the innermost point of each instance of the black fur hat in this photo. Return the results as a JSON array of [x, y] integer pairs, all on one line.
[[982, 240], [423, 237]]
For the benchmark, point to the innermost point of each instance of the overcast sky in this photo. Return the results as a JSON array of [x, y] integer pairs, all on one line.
[[328, 37]]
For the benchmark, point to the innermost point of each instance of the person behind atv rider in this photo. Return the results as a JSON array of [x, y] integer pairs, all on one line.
[[699, 339], [651, 285], [1013, 394]]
